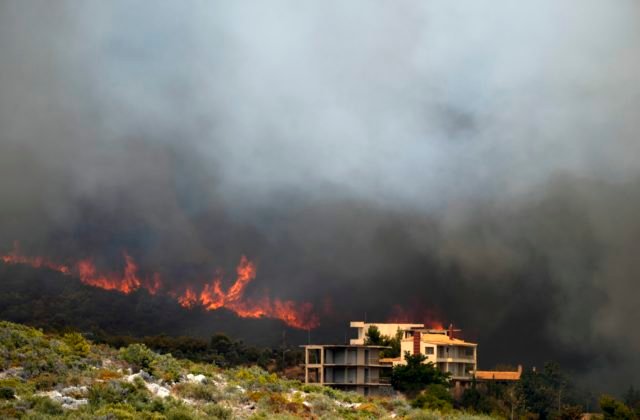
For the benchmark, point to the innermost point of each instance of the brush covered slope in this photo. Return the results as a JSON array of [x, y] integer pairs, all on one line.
[[65, 376], [51, 300]]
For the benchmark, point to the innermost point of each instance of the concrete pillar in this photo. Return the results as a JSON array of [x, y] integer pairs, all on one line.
[[322, 365], [306, 365]]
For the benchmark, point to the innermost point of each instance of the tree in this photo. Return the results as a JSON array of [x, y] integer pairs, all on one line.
[[221, 343], [632, 400], [615, 410], [475, 400], [415, 376], [545, 392], [570, 412], [373, 337], [394, 343]]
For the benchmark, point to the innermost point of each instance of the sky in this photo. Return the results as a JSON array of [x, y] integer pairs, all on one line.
[[475, 161]]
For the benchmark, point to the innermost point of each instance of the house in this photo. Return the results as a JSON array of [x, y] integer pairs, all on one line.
[[349, 367], [443, 349], [439, 346]]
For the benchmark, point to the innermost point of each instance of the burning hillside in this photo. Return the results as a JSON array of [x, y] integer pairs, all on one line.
[[210, 296]]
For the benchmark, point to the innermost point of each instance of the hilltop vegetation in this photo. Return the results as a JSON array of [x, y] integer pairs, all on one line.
[[66, 376]]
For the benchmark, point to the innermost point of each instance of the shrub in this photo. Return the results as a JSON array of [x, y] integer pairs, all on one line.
[[320, 404], [7, 393], [274, 402], [216, 411], [425, 415], [614, 409], [370, 410], [435, 397], [179, 413], [112, 392], [165, 367], [138, 356], [116, 411], [312, 388], [76, 344], [106, 374], [20, 387], [196, 391], [45, 381], [45, 405]]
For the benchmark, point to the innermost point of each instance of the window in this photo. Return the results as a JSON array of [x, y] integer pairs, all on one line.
[[469, 351], [428, 350]]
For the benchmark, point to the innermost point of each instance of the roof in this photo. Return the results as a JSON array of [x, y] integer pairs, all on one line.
[[346, 345], [355, 324], [442, 339], [498, 375]]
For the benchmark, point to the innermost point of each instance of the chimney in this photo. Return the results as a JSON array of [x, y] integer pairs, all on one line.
[[450, 331], [416, 342], [520, 369]]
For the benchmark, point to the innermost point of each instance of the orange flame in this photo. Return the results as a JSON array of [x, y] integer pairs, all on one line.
[[153, 285], [188, 300], [128, 283], [211, 297], [14, 257]]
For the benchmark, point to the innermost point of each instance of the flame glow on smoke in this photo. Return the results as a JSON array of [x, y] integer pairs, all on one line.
[[400, 314], [211, 296]]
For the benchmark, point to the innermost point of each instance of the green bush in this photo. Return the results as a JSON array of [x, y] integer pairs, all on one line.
[[165, 367], [216, 411], [111, 392], [138, 356], [45, 381], [199, 392], [76, 344], [614, 409], [416, 375], [321, 404], [435, 397], [7, 393], [20, 387], [45, 405], [180, 413], [116, 411]]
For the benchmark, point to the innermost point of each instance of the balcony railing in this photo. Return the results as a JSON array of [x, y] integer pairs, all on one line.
[[365, 362]]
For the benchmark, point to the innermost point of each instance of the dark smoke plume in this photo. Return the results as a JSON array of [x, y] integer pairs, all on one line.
[[472, 161]]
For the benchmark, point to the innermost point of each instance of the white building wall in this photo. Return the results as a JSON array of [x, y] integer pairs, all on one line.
[[384, 328]]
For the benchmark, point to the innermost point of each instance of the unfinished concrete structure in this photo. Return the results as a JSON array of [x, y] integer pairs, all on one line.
[[347, 367]]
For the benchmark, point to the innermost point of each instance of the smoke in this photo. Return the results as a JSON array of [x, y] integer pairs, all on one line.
[[476, 160]]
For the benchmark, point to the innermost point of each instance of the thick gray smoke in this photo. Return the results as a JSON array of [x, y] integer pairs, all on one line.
[[474, 159]]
